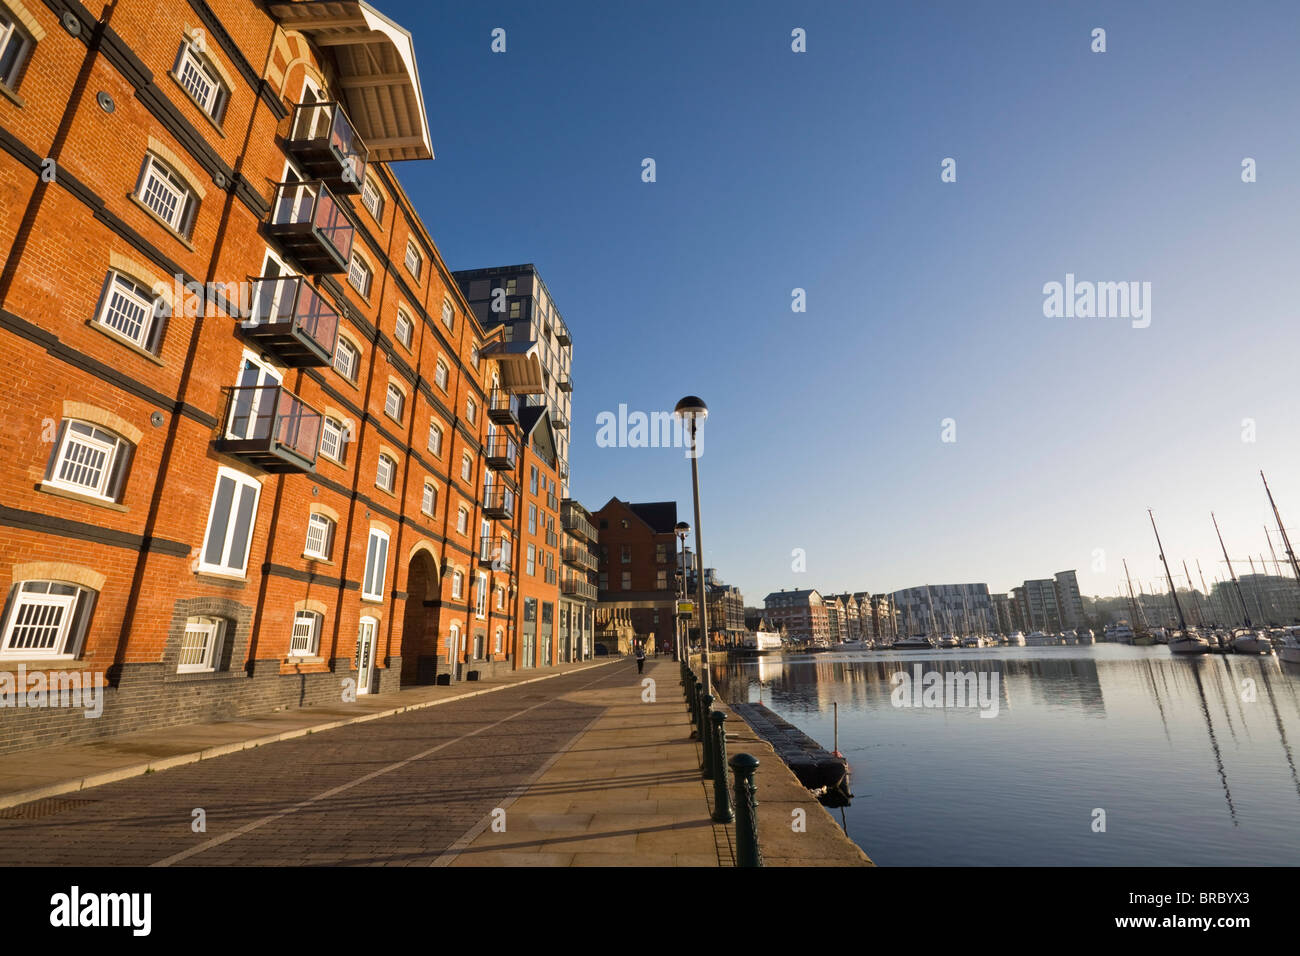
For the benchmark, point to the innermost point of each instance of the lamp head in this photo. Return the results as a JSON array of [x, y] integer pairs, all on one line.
[[692, 407]]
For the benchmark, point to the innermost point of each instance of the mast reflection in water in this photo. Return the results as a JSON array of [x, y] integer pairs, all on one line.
[[1193, 761]]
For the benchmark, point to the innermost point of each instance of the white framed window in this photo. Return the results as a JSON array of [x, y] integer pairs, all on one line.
[[372, 198], [414, 261], [334, 440], [627, 580], [466, 466], [479, 641], [532, 480], [471, 410], [393, 402], [480, 598], [496, 642], [230, 523], [448, 315], [201, 645], [453, 642], [532, 518], [359, 275], [462, 520], [531, 567], [90, 460], [473, 356], [372, 586], [306, 634], [440, 375], [385, 473], [404, 328], [501, 604], [429, 502], [46, 619], [320, 536], [167, 195], [201, 80], [435, 439], [457, 584], [15, 48], [346, 359], [130, 310]]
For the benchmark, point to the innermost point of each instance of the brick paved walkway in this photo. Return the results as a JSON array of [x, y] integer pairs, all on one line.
[[580, 768]]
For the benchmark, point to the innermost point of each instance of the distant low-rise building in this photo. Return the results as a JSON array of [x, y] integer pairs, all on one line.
[[801, 613]]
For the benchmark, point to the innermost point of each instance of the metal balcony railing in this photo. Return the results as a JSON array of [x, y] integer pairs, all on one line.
[[498, 501], [503, 408], [311, 225], [579, 588], [327, 146], [495, 552], [579, 557], [501, 453], [270, 427], [573, 521], [291, 318]]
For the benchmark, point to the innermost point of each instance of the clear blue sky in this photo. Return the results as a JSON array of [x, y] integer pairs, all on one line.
[[820, 171]]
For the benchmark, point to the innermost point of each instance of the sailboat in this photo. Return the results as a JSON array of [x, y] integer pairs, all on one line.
[[1142, 636], [1289, 647], [1184, 640], [1248, 639]]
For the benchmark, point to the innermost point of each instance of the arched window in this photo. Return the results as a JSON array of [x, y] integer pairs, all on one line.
[[201, 644], [320, 536], [386, 472]]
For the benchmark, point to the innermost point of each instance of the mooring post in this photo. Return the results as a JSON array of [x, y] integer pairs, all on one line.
[[747, 851], [721, 798]]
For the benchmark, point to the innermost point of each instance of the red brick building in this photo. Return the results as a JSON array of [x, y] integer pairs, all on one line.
[[538, 520], [800, 613], [636, 587], [275, 492]]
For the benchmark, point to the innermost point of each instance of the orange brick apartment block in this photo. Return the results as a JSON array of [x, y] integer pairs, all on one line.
[[280, 493]]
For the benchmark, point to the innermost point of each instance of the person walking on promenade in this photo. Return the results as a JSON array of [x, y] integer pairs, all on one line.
[[640, 658]]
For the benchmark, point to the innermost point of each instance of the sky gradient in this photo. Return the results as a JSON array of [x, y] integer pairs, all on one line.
[[821, 171]]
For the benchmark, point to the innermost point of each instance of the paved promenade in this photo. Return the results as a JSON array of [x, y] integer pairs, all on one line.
[[577, 768]]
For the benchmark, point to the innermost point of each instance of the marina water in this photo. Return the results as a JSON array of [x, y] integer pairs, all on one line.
[[1189, 761]]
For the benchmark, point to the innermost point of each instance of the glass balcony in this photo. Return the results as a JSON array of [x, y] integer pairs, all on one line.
[[565, 383], [272, 428], [494, 552], [327, 147], [290, 318], [312, 227], [501, 453], [558, 420], [498, 501], [503, 408]]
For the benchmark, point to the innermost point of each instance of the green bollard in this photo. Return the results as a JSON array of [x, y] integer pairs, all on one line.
[[695, 710], [721, 798], [747, 851], [706, 735]]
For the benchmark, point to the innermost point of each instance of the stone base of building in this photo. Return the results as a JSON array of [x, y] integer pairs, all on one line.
[[146, 696]]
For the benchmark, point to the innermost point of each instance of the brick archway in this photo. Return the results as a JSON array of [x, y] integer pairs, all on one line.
[[420, 621]]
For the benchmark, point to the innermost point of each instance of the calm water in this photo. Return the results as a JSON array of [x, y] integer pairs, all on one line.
[[1187, 771]]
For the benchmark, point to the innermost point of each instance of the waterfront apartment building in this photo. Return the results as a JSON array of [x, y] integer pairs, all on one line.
[[1049, 604], [946, 608], [850, 616], [537, 522], [884, 618], [834, 618], [636, 559], [726, 607], [263, 493], [515, 299], [1068, 598], [578, 590], [801, 613]]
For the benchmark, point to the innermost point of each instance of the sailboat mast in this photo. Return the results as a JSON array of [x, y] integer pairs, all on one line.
[[1209, 600], [1182, 621], [1196, 598], [1232, 574], [1139, 618], [1281, 529], [1277, 565]]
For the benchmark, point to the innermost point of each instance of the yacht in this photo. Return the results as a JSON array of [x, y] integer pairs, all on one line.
[[915, 642], [1039, 639], [1085, 636], [1289, 648], [853, 644], [1246, 640], [1188, 642], [949, 640], [1120, 633], [1016, 640], [972, 640]]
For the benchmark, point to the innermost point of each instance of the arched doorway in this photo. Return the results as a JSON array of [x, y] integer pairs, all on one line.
[[420, 622]]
